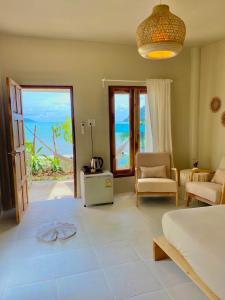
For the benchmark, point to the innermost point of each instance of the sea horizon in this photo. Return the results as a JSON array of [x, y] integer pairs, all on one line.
[[44, 133]]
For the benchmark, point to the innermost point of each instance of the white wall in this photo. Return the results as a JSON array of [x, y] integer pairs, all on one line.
[[194, 103], [211, 131], [83, 65]]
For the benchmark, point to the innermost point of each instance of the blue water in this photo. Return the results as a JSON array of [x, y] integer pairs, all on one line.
[[124, 127], [44, 133]]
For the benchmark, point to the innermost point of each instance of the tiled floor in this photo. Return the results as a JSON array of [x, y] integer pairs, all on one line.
[[109, 258], [51, 189]]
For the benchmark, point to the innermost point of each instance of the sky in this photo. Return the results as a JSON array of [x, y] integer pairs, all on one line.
[[46, 106], [49, 106], [122, 106]]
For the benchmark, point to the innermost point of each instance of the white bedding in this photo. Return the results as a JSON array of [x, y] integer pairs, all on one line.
[[199, 235]]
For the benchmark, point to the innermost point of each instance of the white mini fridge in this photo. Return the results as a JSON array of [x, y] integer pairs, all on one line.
[[96, 188]]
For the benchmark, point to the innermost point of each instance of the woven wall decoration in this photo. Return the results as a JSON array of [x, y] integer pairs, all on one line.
[[161, 35], [215, 104]]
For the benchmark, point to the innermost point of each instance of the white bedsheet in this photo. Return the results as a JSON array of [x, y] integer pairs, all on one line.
[[199, 235]]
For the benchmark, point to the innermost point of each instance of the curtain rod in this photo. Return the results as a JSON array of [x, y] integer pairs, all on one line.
[[122, 80]]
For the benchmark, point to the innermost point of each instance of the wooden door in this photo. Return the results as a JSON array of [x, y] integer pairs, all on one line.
[[17, 141]]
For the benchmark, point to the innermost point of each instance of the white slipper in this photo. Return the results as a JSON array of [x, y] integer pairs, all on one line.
[[51, 231]]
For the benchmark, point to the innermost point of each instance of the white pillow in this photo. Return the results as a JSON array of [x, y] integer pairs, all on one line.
[[219, 176], [153, 172]]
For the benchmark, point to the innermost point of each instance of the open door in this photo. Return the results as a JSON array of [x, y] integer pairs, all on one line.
[[17, 141]]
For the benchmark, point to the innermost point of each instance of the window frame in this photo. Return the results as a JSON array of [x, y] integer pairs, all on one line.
[[134, 94]]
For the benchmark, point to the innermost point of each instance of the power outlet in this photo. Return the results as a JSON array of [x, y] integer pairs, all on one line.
[[91, 122]]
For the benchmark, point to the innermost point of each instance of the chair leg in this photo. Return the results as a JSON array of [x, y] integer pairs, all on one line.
[[137, 200], [177, 199], [187, 199]]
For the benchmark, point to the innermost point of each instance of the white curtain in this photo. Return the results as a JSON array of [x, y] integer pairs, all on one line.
[[158, 116], [148, 128]]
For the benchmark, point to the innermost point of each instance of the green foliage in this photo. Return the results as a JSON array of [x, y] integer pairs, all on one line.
[[29, 147], [56, 130], [41, 163], [36, 164], [64, 129], [35, 158], [54, 163], [124, 136]]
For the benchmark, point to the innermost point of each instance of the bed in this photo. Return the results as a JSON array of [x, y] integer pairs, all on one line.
[[195, 240]]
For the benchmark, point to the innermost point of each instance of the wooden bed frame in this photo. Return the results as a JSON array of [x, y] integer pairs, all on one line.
[[162, 249]]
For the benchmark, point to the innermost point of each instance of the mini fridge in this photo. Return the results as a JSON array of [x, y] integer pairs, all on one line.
[[96, 188]]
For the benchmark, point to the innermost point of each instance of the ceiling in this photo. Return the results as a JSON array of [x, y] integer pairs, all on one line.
[[113, 21]]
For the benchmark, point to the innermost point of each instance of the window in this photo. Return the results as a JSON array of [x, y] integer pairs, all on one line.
[[127, 127]]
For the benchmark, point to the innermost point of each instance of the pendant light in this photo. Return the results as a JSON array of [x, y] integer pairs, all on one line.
[[161, 35]]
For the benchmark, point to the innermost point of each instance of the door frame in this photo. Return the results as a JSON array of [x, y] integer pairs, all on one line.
[[72, 105]]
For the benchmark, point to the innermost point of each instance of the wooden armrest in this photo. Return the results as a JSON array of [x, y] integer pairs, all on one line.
[[136, 178], [223, 195], [136, 173], [175, 170], [197, 170]]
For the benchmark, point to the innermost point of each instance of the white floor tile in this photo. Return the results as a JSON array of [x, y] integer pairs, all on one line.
[[159, 295], [131, 279], [86, 286], [80, 240], [73, 262], [116, 253], [6, 252], [27, 231], [107, 235], [7, 241], [4, 277], [26, 271], [39, 291], [143, 248], [7, 233], [168, 273], [32, 247], [110, 254], [186, 291]]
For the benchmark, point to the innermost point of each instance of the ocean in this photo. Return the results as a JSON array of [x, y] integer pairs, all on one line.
[[44, 133]]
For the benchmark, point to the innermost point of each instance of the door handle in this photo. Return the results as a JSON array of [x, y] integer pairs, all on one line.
[[13, 153]]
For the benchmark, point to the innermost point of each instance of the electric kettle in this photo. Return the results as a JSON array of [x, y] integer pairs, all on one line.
[[96, 163]]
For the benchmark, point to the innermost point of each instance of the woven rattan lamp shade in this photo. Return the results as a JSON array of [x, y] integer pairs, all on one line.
[[161, 35]]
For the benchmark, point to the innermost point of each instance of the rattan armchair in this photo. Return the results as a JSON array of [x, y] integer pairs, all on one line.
[[205, 191], [145, 187]]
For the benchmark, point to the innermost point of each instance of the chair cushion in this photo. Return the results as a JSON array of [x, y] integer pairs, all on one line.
[[219, 176], [208, 190], [153, 172], [156, 185], [154, 159]]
